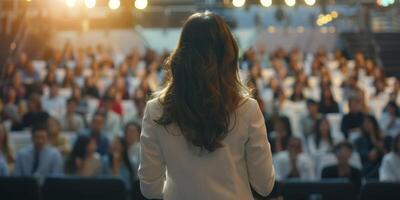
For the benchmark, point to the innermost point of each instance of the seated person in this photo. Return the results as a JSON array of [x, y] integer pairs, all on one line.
[[96, 131], [56, 138], [3, 166], [39, 158], [352, 121], [343, 168], [308, 122], [6, 149], [84, 160], [389, 170], [390, 120], [280, 136], [117, 163], [328, 104], [132, 137], [35, 115], [321, 142], [112, 123], [54, 103], [72, 121], [293, 163], [371, 147]]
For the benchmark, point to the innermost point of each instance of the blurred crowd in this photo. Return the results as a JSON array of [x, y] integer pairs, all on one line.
[[328, 116]]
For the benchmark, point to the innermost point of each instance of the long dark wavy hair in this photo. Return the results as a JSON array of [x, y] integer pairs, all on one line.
[[125, 157], [203, 86], [78, 151]]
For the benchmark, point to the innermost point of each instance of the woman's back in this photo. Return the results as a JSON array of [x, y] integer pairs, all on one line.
[[245, 158], [202, 136]]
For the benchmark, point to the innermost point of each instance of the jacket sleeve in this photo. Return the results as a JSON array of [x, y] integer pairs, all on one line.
[[151, 171], [258, 154]]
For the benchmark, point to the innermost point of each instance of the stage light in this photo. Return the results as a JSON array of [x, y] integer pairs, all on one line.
[[290, 2], [238, 3], [28, 0], [310, 2], [141, 4], [334, 14], [90, 3], [328, 18], [266, 3], [70, 3], [114, 4]]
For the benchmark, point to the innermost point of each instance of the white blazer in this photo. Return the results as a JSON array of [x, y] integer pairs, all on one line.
[[172, 169]]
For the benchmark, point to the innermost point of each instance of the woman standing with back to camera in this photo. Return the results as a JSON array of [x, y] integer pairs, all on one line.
[[202, 136]]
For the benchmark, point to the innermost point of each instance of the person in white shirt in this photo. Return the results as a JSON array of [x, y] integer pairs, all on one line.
[[72, 121], [54, 104], [294, 163], [390, 167], [321, 142], [390, 120], [202, 136]]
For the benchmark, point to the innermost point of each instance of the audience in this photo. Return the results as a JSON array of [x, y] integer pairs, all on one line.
[[294, 163], [72, 121], [54, 104], [327, 104], [117, 163], [343, 169], [389, 170], [84, 160], [90, 96], [6, 151], [112, 121], [390, 120], [351, 122], [308, 122], [35, 115], [56, 139], [321, 142], [279, 137], [3, 166], [96, 132], [370, 146], [132, 136], [39, 158]]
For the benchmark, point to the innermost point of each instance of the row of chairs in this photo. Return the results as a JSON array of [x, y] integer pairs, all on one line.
[[18, 188]]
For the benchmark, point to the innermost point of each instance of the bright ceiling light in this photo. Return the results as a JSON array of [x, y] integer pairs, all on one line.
[[310, 2], [290, 2], [238, 3], [90, 3], [70, 3], [114, 4], [266, 3], [141, 4]]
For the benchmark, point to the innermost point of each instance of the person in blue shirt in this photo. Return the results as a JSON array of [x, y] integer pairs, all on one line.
[[39, 158], [96, 131], [3, 166]]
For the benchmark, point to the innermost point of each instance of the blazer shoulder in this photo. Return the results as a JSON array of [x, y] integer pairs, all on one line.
[[154, 108]]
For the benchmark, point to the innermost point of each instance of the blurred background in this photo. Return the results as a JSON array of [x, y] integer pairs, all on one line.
[[325, 73]]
